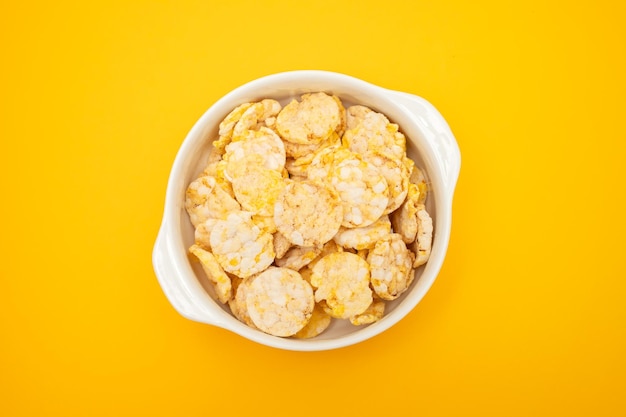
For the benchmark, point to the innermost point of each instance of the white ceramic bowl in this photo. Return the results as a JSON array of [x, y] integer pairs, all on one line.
[[430, 144]]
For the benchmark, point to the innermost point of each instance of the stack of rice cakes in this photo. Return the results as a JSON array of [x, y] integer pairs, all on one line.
[[308, 213]]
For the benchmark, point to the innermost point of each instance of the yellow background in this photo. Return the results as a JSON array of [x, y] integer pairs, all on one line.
[[527, 316]]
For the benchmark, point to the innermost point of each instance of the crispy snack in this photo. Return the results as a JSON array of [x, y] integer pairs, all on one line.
[[362, 189], [304, 213], [240, 246], [265, 223], [216, 170], [342, 280], [281, 245], [279, 301], [343, 118], [372, 314], [307, 213], [297, 257], [391, 265], [298, 150], [417, 177], [260, 147], [328, 248], [356, 114], [214, 272], [206, 199], [227, 125], [298, 168], [404, 220], [247, 185], [319, 322], [237, 304], [202, 234], [311, 120], [253, 116], [422, 245], [363, 237], [323, 162], [374, 133], [397, 176]]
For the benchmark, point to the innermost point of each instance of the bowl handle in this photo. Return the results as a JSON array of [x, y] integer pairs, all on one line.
[[187, 297], [438, 135]]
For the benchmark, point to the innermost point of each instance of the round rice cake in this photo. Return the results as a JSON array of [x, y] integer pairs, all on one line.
[[205, 199], [362, 190], [310, 120], [391, 266], [308, 213], [279, 301], [240, 246], [254, 147], [374, 133], [342, 280], [257, 189]]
